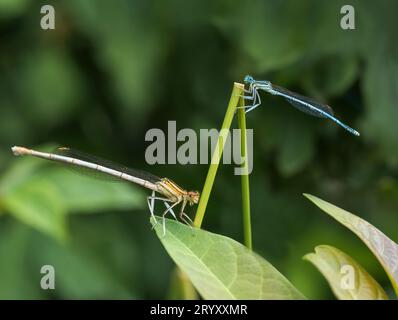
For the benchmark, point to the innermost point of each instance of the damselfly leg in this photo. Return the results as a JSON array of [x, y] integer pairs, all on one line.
[[169, 208], [151, 204], [253, 96], [256, 102], [183, 215]]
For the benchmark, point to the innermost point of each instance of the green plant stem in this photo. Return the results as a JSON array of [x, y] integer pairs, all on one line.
[[237, 92], [181, 288], [247, 229]]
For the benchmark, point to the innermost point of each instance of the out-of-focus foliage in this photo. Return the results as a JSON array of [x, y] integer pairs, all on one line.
[[384, 249], [110, 71], [337, 267]]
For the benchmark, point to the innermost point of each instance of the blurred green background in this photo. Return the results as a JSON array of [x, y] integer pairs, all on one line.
[[111, 70]]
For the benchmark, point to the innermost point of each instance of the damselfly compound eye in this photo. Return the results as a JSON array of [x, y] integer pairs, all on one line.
[[248, 79]]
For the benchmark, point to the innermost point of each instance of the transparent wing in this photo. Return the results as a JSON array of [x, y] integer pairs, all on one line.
[[301, 102], [72, 153]]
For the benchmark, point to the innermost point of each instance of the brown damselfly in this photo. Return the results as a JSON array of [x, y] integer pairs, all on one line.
[[170, 193]]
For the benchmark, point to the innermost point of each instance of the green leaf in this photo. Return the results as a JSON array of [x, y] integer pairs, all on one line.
[[44, 71], [265, 20], [336, 267], [18, 173], [122, 54], [385, 250], [13, 8], [221, 268], [80, 273], [296, 147], [38, 204], [16, 279], [380, 95], [332, 76]]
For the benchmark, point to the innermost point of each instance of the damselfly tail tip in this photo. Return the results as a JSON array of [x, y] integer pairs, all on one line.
[[17, 151], [350, 130]]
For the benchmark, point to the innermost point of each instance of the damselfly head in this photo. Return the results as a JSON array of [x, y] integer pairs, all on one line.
[[248, 79], [193, 197]]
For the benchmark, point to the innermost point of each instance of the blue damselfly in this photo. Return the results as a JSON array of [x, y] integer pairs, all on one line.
[[304, 104]]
